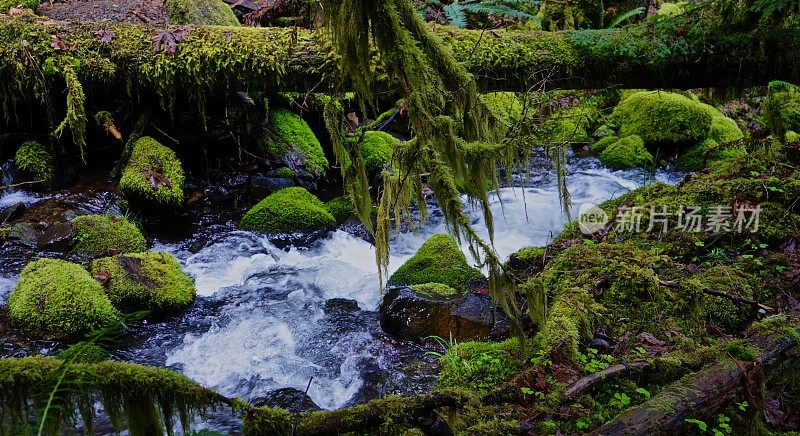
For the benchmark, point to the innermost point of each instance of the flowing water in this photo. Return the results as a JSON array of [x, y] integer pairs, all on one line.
[[269, 317]]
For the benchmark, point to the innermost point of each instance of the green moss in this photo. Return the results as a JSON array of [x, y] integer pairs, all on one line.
[[284, 173], [482, 366], [438, 260], [36, 159], [724, 313], [724, 129], [628, 152], [153, 281], [55, 298], [5, 5], [505, 106], [153, 175], [290, 134], [739, 350], [569, 320], [342, 209], [214, 12], [782, 109], [376, 150], [84, 352], [434, 290], [288, 210], [602, 143], [662, 118], [571, 125], [672, 9], [98, 235], [138, 399]]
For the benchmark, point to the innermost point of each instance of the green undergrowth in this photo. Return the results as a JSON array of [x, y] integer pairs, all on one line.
[[152, 281], [101, 235], [288, 210], [35, 159], [214, 12]]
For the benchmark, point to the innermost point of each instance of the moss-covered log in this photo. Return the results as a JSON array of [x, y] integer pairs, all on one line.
[[212, 61]]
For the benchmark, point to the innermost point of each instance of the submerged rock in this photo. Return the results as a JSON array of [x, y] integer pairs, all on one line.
[[12, 212], [57, 237], [406, 314], [291, 399]]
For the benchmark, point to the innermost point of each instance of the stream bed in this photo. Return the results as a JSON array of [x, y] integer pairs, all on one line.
[[270, 317]]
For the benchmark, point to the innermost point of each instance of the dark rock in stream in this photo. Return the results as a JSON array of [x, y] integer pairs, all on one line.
[[57, 237], [410, 316], [264, 185], [339, 305], [12, 212], [291, 399]]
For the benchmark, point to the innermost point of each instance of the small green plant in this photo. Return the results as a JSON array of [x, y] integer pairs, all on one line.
[[456, 12], [528, 391], [446, 345], [594, 362], [644, 392], [742, 406], [700, 424]]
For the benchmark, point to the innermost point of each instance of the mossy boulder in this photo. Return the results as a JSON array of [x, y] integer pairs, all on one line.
[[56, 299], [35, 159], [288, 210], [342, 209], [782, 108], [376, 150], [628, 152], [214, 12], [438, 260], [662, 118], [101, 235], [602, 143], [154, 175], [151, 281], [291, 140]]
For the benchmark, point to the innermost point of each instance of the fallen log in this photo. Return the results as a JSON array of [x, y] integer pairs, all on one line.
[[212, 61], [590, 381], [701, 395]]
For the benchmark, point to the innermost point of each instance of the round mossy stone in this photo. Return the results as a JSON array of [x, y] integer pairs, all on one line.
[[99, 235], [55, 298], [438, 260], [288, 210]]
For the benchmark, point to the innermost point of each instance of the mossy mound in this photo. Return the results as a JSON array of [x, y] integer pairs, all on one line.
[[376, 150], [56, 299], [342, 209], [84, 352], [153, 281], [99, 235], [434, 290], [628, 152], [214, 12], [724, 313], [291, 140], [662, 118], [602, 143], [288, 210], [153, 175], [438, 260], [35, 159], [481, 366]]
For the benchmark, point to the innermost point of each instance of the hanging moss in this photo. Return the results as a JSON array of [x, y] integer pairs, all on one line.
[[628, 152], [438, 260], [99, 235], [55, 299], [36, 159], [288, 210], [342, 209], [154, 175], [136, 398], [214, 12], [291, 140], [151, 281]]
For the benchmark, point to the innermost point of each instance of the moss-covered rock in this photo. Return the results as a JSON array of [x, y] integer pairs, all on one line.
[[99, 235], [214, 12], [291, 139], [438, 260], [36, 160], [376, 150], [84, 352], [55, 299], [602, 143], [782, 108], [153, 175], [662, 118], [342, 209], [724, 313], [434, 290], [628, 152], [153, 281], [504, 106], [288, 210]]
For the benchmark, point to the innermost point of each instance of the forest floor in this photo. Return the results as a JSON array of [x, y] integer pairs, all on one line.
[[131, 11]]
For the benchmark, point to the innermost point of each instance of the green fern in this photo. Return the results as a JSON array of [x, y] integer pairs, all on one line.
[[624, 17], [457, 11]]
